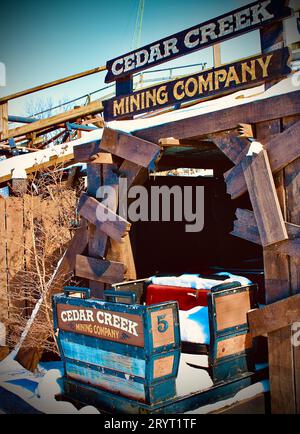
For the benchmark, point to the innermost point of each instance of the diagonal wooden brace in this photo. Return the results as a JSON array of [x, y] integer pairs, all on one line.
[[264, 198]]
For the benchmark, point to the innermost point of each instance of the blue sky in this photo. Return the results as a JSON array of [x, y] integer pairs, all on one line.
[[45, 40]]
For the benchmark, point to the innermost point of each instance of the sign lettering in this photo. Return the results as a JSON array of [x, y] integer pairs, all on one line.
[[207, 84], [114, 326], [232, 24]]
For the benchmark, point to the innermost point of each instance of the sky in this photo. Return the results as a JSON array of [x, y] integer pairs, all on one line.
[[45, 40]]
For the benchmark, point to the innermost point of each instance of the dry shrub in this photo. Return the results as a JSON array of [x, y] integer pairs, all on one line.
[[50, 220]]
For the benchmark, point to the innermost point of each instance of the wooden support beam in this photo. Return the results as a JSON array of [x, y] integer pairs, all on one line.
[[52, 83], [102, 158], [93, 107], [225, 119], [245, 227], [3, 120], [229, 142], [282, 149], [264, 199], [129, 147], [102, 217], [84, 152], [274, 316], [99, 270]]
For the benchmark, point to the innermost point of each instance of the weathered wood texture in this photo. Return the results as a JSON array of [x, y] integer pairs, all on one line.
[[3, 119], [282, 149], [93, 107], [279, 276], [264, 199], [274, 316], [226, 119], [18, 215], [129, 147], [102, 217], [99, 270], [292, 189], [245, 227]]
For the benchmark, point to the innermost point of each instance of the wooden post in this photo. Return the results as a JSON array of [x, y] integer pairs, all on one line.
[[3, 119], [217, 55]]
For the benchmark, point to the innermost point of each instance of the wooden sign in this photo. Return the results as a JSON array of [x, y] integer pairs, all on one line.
[[113, 326], [204, 85], [229, 25]]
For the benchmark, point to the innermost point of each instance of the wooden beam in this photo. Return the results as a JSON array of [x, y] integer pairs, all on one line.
[[3, 119], [281, 372], [93, 107], [282, 149], [102, 158], [274, 316], [84, 152], [52, 83], [102, 217], [245, 227], [129, 147], [226, 119], [99, 270], [229, 142], [264, 199]]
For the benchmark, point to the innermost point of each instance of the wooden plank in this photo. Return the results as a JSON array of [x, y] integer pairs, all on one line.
[[3, 264], [225, 119], [233, 345], [231, 310], [99, 175], [93, 107], [53, 83], [281, 372], [179, 91], [102, 158], [122, 252], [99, 270], [15, 259], [282, 150], [102, 217], [245, 227], [274, 316], [229, 142], [3, 119], [84, 152], [129, 147], [292, 187], [264, 199]]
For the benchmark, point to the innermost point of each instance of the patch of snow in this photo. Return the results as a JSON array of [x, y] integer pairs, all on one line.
[[195, 281], [190, 379], [255, 148], [48, 386], [194, 325]]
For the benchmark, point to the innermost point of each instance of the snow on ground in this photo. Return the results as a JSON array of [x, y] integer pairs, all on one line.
[[38, 389]]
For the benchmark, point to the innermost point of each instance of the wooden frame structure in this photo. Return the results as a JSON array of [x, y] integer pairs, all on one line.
[[271, 177]]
